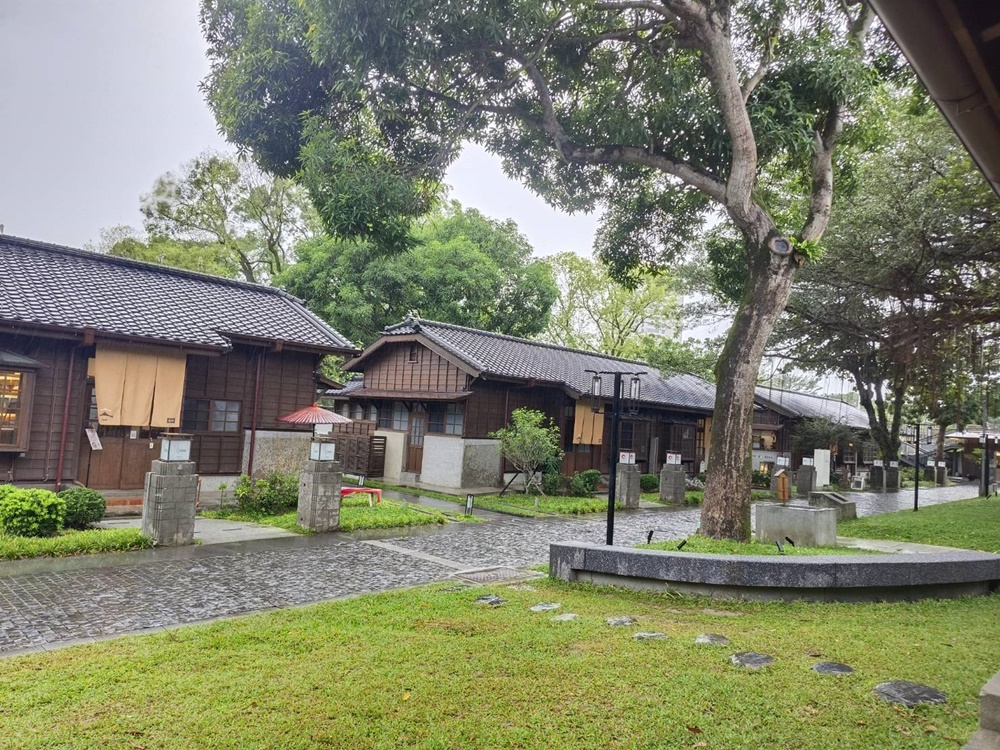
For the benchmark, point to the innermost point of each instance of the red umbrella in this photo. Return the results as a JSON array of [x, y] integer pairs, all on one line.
[[313, 415]]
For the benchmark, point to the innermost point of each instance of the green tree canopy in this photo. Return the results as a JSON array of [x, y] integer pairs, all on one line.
[[465, 269], [596, 313], [220, 201], [653, 109], [126, 242]]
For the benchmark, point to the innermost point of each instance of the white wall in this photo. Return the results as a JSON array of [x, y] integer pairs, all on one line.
[[442, 462], [395, 448]]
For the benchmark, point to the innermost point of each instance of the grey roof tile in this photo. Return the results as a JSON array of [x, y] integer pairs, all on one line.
[[808, 405], [57, 286], [507, 356]]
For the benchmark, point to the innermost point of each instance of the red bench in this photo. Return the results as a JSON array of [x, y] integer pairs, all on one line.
[[374, 495]]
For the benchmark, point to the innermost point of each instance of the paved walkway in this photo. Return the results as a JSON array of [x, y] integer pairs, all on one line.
[[52, 603]]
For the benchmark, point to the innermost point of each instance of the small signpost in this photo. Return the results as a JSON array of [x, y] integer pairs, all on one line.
[[469, 500]]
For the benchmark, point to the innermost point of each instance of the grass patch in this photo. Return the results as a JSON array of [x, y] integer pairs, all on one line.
[[415, 491], [695, 497], [355, 515], [428, 668], [525, 505], [968, 524], [705, 545], [68, 543]]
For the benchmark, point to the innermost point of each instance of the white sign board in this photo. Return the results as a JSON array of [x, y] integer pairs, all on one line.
[[782, 461], [322, 451], [95, 440], [877, 462], [943, 464], [626, 457], [806, 461], [821, 459], [894, 464], [673, 459], [175, 450]]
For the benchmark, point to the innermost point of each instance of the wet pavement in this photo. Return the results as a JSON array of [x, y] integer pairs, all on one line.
[[52, 603]]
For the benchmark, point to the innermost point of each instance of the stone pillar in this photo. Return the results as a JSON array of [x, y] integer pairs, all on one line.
[[628, 486], [673, 485], [891, 478], [319, 495], [168, 503], [805, 480]]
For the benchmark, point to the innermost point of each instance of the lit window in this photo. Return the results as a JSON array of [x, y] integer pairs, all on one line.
[[13, 409]]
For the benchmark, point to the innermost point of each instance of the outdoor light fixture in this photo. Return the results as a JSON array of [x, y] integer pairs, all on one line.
[[322, 449], [681, 545], [175, 446], [789, 540], [633, 388], [595, 384]]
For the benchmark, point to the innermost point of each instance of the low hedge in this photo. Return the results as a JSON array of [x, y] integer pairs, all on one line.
[[84, 507], [30, 513]]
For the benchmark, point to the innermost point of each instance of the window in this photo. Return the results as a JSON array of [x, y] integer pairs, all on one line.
[[357, 412], [373, 413], [400, 416], [626, 436], [385, 417], [414, 353], [205, 415], [446, 419], [14, 417]]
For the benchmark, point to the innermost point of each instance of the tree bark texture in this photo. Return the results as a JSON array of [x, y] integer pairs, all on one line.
[[725, 512]]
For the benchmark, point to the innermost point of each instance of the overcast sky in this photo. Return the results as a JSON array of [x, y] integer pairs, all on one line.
[[100, 97]]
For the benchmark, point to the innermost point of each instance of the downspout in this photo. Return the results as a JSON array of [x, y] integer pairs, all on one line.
[[253, 420], [65, 420]]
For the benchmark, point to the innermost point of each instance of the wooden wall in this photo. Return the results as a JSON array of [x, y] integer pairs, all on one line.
[[431, 373], [287, 384], [40, 462]]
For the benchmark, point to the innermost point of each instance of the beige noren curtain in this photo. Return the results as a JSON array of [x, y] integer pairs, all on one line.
[[138, 387]]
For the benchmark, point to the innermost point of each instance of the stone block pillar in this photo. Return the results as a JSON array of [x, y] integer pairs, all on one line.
[[319, 495], [673, 484], [168, 503], [805, 480], [628, 486]]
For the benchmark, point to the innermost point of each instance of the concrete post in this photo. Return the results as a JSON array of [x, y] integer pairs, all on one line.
[[805, 480], [168, 503], [891, 478], [673, 484], [319, 496], [627, 487]]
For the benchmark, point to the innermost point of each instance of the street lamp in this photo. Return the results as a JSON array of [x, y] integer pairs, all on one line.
[[616, 409], [916, 464]]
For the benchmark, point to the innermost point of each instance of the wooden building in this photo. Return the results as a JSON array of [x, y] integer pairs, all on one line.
[[437, 391], [100, 355]]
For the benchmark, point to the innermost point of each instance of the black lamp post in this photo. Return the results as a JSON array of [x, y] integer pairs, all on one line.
[[616, 408], [916, 465]]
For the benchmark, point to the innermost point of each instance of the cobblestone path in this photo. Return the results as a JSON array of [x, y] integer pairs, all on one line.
[[143, 591]]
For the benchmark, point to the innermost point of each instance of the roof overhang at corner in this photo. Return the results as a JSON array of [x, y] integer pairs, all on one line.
[[954, 47], [355, 364]]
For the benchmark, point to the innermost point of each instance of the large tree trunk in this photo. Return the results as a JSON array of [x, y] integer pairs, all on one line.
[[725, 513]]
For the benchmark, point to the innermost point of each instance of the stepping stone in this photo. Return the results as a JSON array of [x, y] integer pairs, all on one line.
[[521, 587], [649, 636], [491, 600], [832, 667], [720, 612], [712, 639], [566, 617], [751, 659], [620, 622], [908, 694], [545, 607]]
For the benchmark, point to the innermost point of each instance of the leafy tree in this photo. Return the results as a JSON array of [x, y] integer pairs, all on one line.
[[819, 433], [596, 313], [465, 269], [676, 355], [125, 242], [218, 200], [530, 443], [653, 108], [908, 273]]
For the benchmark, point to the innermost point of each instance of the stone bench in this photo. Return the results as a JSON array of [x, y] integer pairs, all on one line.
[[804, 525], [988, 736], [781, 577], [845, 508]]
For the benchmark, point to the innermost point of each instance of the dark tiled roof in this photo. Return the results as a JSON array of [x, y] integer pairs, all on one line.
[[807, 405], [510, 357], [49, 285]]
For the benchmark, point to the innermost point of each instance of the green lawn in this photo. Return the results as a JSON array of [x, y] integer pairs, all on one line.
[[355, 514], [67, 543], [971, 524], [705, 545], [429, 668]]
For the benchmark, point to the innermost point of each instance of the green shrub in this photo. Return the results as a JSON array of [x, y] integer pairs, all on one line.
[[31, 512], [276, 493], [760, 479], [84, 506], [584, 483], [554, 483], [649, 483]]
